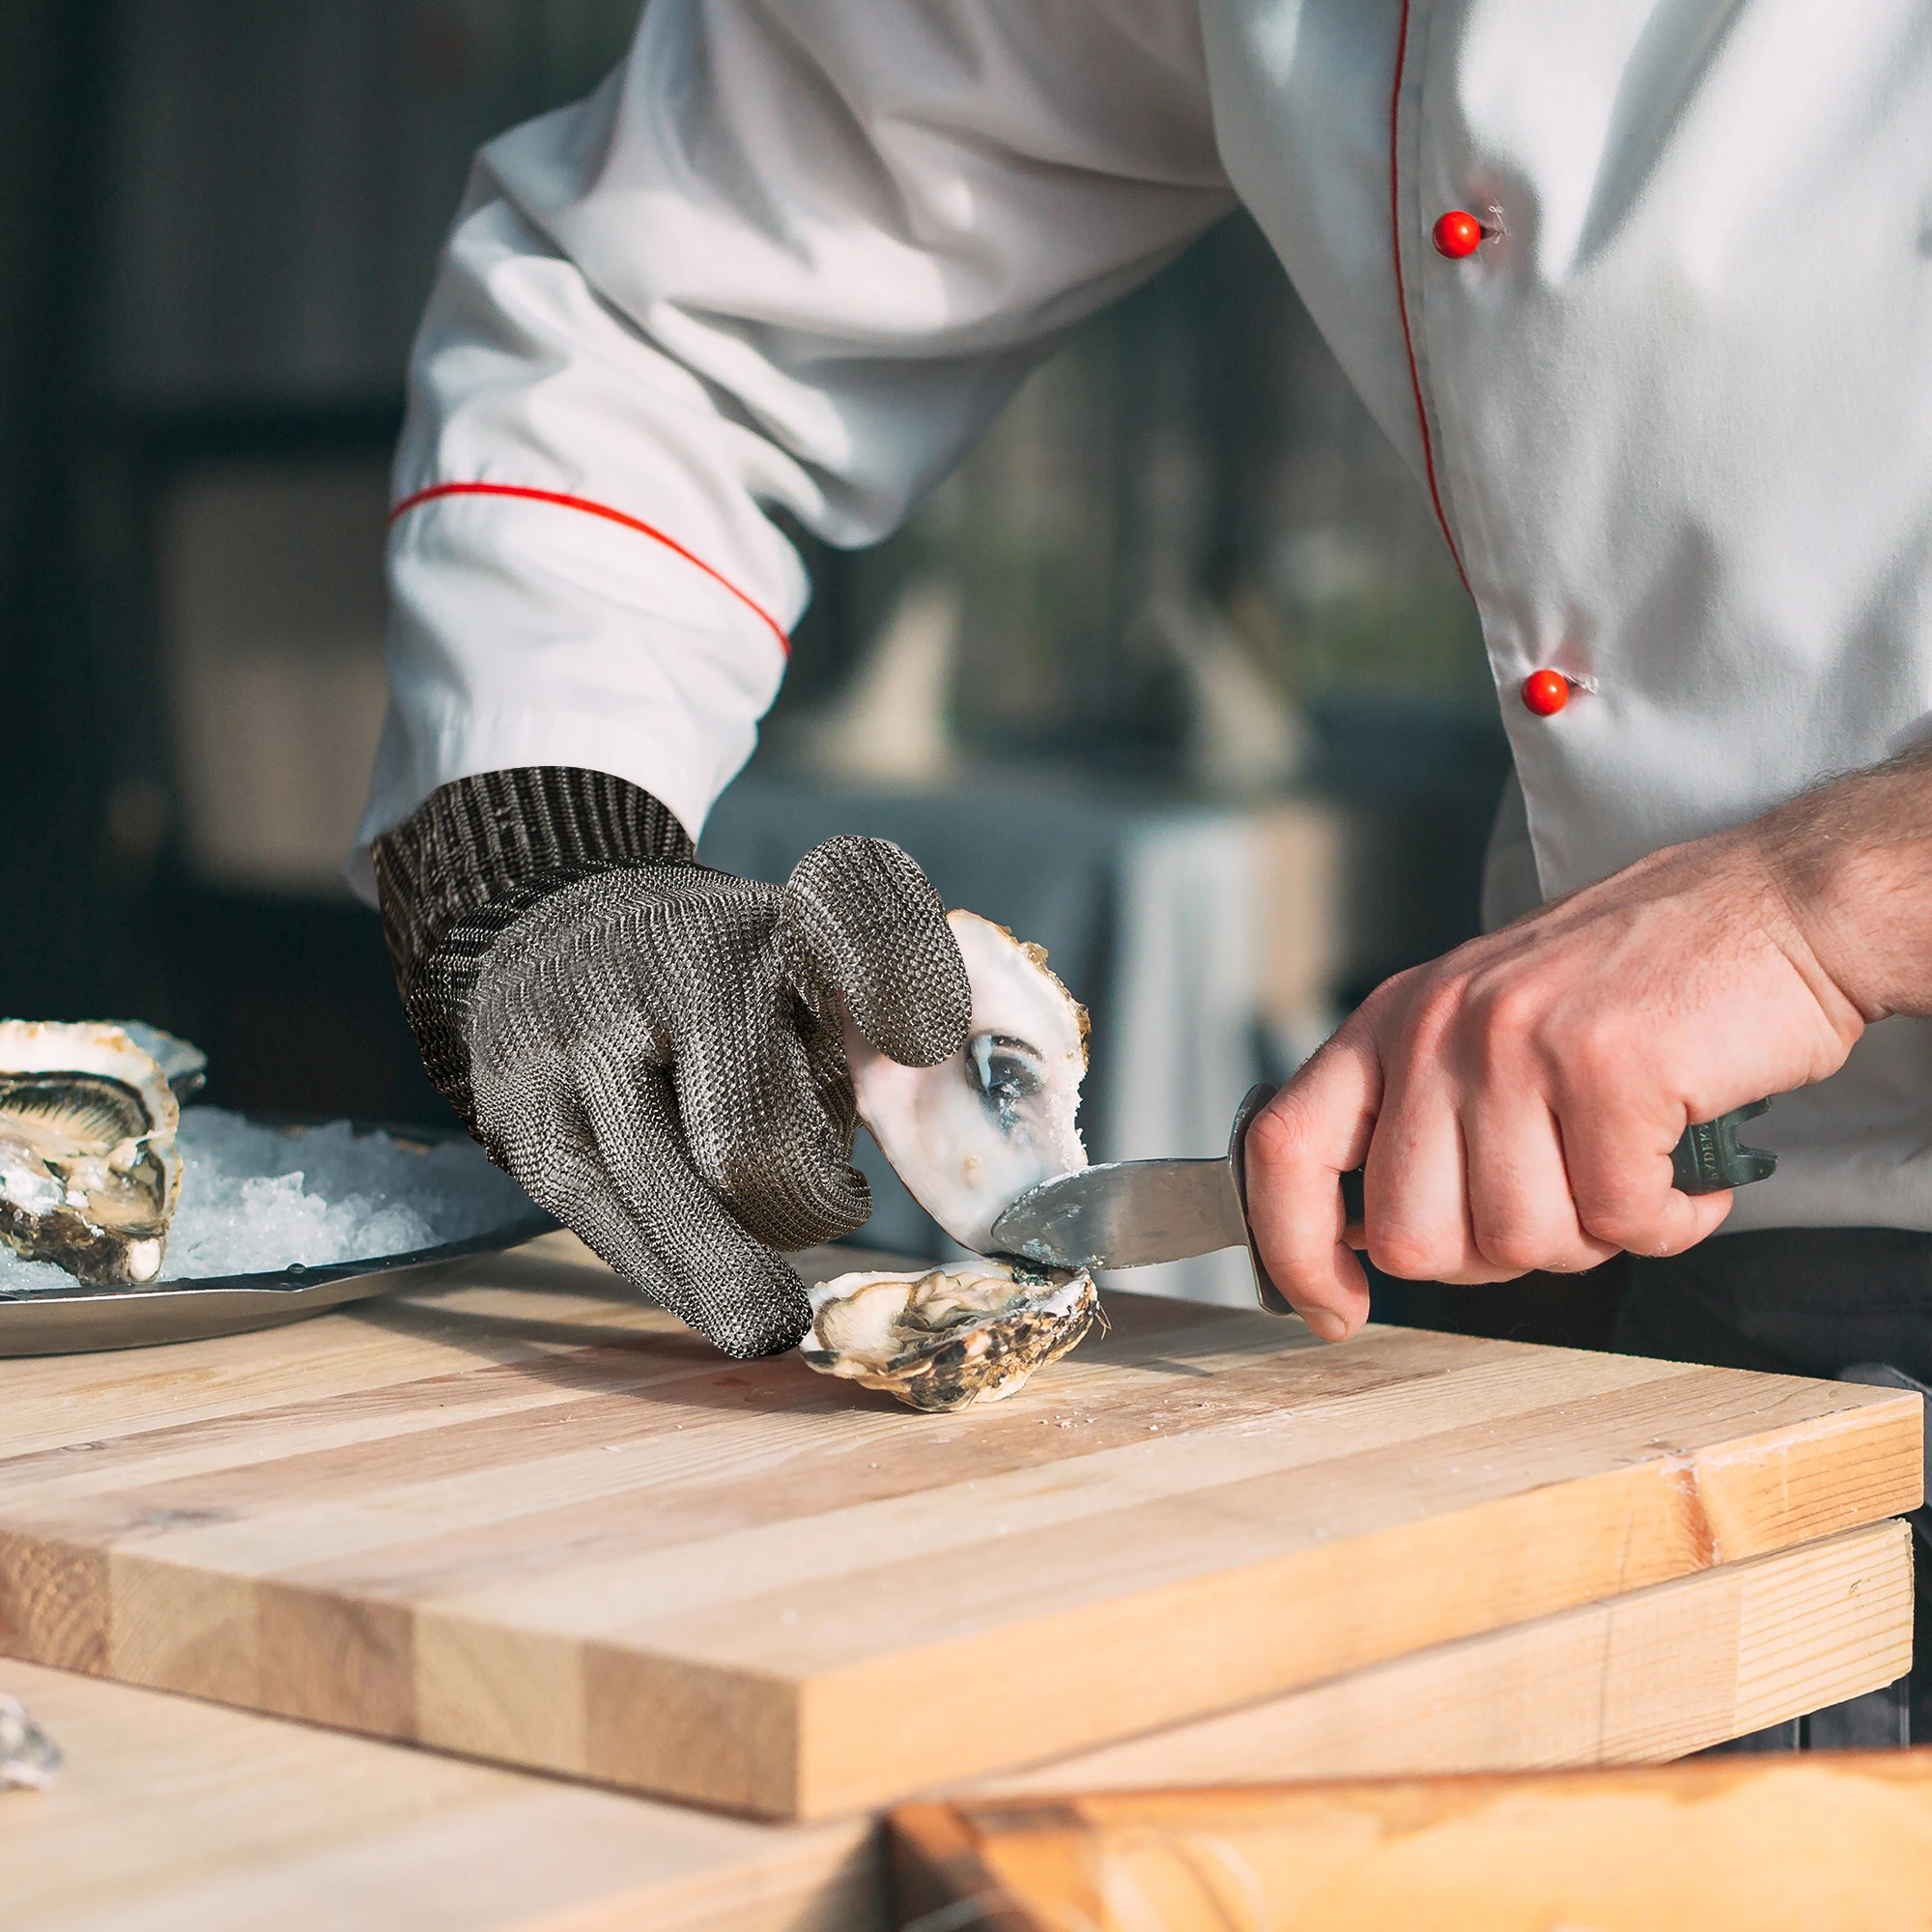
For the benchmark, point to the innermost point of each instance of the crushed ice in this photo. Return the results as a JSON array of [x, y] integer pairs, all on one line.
[[256, 1200]]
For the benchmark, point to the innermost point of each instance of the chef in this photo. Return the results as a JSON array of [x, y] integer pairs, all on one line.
[[1644, 296]]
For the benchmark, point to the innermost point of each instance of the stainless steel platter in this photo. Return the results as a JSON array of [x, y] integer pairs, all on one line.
[[81, 1319]]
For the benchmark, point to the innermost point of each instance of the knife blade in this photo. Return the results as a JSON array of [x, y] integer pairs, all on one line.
[[1128, 1213], [1133, 1213]]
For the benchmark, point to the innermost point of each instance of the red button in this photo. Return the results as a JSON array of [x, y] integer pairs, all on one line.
[[1456, 233], [1546, 693]]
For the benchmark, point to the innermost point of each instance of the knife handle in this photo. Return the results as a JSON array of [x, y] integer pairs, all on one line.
[[1708, 1159], [1271, 1297]]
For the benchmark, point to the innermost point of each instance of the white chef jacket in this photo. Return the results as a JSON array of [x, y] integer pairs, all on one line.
[[1675, 417]]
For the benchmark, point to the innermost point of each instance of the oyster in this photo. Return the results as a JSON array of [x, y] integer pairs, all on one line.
[[970, 1135], [88, 1174], [943, 1337], [184, 1067]]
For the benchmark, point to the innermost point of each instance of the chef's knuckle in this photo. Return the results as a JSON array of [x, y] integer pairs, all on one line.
[[1435, 1006], [1389, 1000], [1518, 1246], [1282, 1134], [1504, 1012], [1409, 1254], [1620, 1218], [1596, 1051]]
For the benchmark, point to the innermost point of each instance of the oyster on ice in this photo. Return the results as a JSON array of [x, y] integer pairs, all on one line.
[[183, 1066], [88, 1174], [943, 1337], [970, 1135]]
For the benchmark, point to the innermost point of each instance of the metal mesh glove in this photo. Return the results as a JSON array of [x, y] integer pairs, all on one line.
[[653, 1049]]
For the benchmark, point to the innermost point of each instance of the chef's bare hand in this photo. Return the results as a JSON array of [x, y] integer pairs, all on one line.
[[1515, 1103]]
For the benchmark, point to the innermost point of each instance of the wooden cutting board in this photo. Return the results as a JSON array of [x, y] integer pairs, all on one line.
[[530, 1518], [1780, 1843], [174, 1815]]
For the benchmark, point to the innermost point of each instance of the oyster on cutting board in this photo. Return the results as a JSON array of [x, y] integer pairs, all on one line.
[[943, 1337], [968, 1137], [88, 1174]]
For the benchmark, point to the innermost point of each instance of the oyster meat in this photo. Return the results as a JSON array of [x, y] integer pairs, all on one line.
[[943, 1337], [88, 1174], [970, 1135]]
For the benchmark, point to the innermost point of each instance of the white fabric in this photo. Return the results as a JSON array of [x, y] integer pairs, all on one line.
[[794, 256]]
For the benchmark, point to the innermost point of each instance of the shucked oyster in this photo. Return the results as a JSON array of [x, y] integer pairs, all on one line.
[[948, 1336], [88, 1169], [970, 1135]]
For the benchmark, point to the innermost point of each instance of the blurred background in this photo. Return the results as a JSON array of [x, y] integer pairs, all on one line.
[[1175, 674]]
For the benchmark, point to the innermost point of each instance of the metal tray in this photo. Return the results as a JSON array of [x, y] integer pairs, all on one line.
[[82, 1319]]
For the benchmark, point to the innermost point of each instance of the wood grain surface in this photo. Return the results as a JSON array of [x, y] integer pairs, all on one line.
[[527, 1518], [174, 1815], [171, 1816], [1638, 1679], [1792, 1843]]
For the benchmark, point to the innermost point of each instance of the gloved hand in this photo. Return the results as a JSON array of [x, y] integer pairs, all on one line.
[[653, 1048]]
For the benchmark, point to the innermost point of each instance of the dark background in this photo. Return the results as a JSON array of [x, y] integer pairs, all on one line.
[[219, 225]]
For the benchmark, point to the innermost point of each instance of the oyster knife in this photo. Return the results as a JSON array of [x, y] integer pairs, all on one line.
[[1132, 1213]]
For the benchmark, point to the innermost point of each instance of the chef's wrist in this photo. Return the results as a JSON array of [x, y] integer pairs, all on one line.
[[1852, 861], [483, 848]]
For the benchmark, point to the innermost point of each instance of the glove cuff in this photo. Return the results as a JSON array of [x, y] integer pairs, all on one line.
[[476, 854]]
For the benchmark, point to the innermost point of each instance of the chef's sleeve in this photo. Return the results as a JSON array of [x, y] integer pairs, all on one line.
[[793, 256]]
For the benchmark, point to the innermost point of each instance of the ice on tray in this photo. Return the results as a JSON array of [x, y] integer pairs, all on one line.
[[254, 1201]]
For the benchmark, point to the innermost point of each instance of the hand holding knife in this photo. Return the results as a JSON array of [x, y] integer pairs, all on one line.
[[1135, 1212]]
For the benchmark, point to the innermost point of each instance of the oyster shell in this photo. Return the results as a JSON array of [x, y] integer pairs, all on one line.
[[970, 1135], [943, 1337], [183, 1066], [28, 1756], [88, 1174]]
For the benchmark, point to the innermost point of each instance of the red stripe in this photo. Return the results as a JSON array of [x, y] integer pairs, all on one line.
[[1402, 294], [590, 509]]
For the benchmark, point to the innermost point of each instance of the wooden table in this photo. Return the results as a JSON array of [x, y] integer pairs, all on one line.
[[528, 1519], [171, 1816], [1739, 1844]]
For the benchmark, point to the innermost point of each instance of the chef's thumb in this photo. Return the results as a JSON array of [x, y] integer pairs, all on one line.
[[858, 918]]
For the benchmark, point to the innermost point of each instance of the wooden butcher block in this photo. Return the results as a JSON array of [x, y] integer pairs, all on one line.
[[527, 1517]]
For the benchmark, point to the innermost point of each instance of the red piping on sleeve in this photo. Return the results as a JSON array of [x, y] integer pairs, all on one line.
[[560, 501], [1401, 294]]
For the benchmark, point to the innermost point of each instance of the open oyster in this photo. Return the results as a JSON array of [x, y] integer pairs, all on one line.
[[969, 1136], [946, 1336], [88, 1169]]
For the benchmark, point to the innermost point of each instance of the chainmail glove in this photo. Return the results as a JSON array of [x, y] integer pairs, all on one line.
[[652, 1048]]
